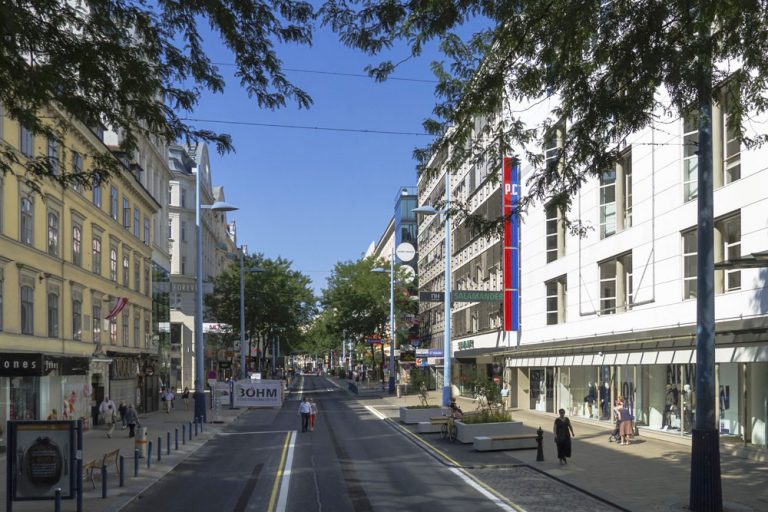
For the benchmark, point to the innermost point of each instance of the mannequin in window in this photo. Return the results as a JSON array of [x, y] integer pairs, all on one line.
[[591, 397], [605, 401]]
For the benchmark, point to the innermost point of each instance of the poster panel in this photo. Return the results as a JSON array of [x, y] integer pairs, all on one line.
[[41, 458]]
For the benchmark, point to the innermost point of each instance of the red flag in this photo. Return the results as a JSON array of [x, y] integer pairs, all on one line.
[[119, 306]]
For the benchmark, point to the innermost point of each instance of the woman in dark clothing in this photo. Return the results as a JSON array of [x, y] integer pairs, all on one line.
[[563, 432]]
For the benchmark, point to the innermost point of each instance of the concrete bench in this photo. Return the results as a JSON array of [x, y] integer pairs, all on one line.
[[433, 426], [519, 442]]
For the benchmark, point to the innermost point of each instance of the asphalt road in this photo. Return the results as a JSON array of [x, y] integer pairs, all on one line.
[[353, 461]]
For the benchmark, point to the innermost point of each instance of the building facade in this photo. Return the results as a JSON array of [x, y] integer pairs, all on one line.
[[611, 311], [67, 258]]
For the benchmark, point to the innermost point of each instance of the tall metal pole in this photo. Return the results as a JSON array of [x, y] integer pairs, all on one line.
[[392, 331], [199, 395], [343, 347], [243, 369], [447, 304], [706, 486], [274, 353]]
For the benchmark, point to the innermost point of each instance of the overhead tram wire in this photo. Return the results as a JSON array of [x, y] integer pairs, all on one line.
[[338, 73], [301, 127]]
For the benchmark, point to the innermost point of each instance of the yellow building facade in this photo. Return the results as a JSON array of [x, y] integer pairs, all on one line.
[[67, 258]]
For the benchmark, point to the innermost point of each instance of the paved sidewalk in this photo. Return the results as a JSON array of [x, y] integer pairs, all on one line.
[[649, 475], [96, 444]]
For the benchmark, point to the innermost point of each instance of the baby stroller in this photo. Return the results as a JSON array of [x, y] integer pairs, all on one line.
[[615, 434]]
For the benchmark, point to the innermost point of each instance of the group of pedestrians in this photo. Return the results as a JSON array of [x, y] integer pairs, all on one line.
[[126, 413], [308, 413]]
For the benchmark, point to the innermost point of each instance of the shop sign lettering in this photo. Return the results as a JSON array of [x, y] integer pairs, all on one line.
[[466, 344]]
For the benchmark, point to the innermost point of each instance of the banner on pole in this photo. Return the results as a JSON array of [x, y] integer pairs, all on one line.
[[511, 198]]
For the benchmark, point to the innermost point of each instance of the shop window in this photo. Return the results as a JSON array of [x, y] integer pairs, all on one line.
[[27, 309], [96, 255], [96, 310], [53, 315], [113, 202], [77, 245], [77, 319], [556, 300], [616, 284], [555, 236], [27, 231], [727, 240], [53, 233], [113, 263]]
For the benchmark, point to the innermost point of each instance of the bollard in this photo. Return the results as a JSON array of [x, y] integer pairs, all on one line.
[[168, 443], [539, 445], [79, 505], [57, 503], [196, 420], [177, 437], [141, 442], [136, 462], [159, 448], [201, 425], [149, 455], [104, 481], [122, 471], [190, 430], [183, 434]]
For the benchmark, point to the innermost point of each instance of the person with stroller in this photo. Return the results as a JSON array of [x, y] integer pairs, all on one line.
[[624, 419]]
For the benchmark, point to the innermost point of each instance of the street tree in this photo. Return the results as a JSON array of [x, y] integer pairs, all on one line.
[[139, 67], [278, 301]]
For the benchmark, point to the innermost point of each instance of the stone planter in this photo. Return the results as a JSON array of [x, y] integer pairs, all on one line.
[[412, 416], [466, 432]]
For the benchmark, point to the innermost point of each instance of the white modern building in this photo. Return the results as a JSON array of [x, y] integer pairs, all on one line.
[[612, 312], [218, 239]]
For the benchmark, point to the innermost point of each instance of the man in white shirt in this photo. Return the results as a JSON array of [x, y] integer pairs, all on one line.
[[305, 408], [108, 411]]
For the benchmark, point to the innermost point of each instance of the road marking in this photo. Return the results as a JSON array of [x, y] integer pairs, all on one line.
[[254, 432], [332, 382], [283, 500], [495, 496], [279, 473]]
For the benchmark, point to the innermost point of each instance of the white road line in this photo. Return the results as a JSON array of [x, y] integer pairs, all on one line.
[[254, 432], [494, 499], [329, 380], [375, 412], [283, 499]]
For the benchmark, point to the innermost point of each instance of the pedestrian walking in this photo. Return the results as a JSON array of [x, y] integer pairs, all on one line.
[[185, 397], [122, 409], [132, 420], [108, 412], [312, 414], [168, 400], [304, 410], [624, 418], [563, 432]]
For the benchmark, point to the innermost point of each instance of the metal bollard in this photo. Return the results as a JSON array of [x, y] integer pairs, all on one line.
[[140, 441], [149, 455], [196, 420], [168, 443], [539, 445], [79, 504], [104, 481], [183, 434], [122, 471], [57, 503], [177, 437], [201, 425], [136, 462], [159, 448], [190, 430]]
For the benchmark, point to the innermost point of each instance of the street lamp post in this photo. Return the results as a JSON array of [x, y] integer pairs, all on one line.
[[391, 319], [447, 356], [219, 206]]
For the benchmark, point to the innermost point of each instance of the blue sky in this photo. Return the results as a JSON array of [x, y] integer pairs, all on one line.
[[317, 197]]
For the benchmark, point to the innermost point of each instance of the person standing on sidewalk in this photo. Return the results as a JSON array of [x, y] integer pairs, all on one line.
[[168, 400], [132, 419], [122, 409], [624, 417], [185, 397], [312, 414], [108, 411], [304, 410], [563, 432]]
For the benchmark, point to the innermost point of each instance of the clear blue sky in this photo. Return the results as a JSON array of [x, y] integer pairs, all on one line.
[[317, 197]]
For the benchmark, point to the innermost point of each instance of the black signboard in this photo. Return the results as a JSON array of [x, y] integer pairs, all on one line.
[[31, 364]]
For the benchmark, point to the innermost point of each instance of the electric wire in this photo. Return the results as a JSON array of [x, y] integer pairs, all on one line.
[[305, 127]]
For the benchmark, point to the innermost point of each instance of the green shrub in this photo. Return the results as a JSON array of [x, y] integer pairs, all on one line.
[[486, 416]]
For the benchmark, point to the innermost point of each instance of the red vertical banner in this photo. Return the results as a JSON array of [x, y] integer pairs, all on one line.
[[511, 256]]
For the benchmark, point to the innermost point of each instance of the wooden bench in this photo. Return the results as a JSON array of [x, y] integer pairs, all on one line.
[[88, 470], [518, 442]]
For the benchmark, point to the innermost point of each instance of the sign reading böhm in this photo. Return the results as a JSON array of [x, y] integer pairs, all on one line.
[[258, 393]]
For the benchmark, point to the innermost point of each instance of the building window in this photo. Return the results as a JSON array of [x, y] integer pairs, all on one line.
[[690, 156], [77, 319], [146, 231], [690, 263], [27, 233], [183, 265], [616, 196], [555, 239], [77, 168], [183, 198], [147, 289], [113, 264], [53, 155], [625, 169], [616, 284], [126, 214], [136, 273], [137, 223], [727, 240], [113, 331], [553, 145], [136, 328], [126, 270], [113, 202], [556, 300], [607, 203], [146, 330], [126, 332], [53, 315], [731, 142], [26, 141], [77, 245], [96, 322], [27, 310], [96, 255], [183, 231], [53, 233], [97, 193]]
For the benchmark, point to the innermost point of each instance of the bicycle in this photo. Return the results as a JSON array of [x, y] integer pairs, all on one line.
[[448, 430]]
